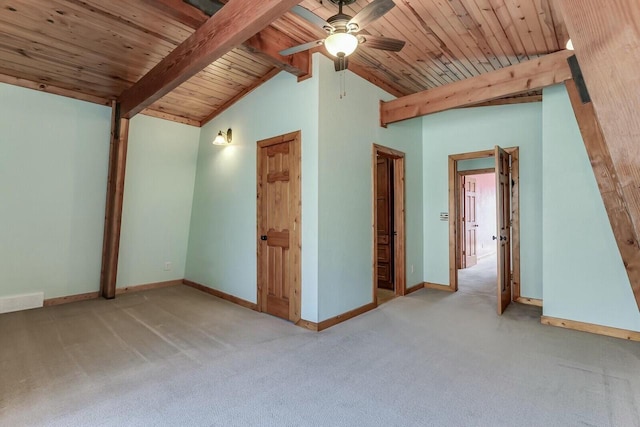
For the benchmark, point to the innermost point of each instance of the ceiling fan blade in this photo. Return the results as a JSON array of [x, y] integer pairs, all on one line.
[[382, 43], [341, 63], [370, 13], [301, 47], [311, 17], [209, 7]]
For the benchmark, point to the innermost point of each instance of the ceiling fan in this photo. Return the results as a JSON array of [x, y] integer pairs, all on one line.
[[343, 31]]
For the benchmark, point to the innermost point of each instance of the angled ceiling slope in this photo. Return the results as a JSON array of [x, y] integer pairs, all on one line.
[[95, 50]]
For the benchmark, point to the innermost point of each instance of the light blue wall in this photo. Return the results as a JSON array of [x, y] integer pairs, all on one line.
[[584, 277], [471, 164], [348, 128], [158, 195], [475, 129], [53, 175], [222, 240]]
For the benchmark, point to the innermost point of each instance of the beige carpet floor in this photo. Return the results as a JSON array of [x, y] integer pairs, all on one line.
[[179, 357]]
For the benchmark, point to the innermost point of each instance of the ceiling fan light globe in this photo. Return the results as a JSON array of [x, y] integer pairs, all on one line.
[[341, 44]]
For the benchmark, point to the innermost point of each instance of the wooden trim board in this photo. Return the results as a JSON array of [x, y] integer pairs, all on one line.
[[346, 316], [148, 286], [71, 298], [591, 328], [312, 326], [94, 295], [524, 77], [221, 295], [529, 301], [438, 287], [414, 288]]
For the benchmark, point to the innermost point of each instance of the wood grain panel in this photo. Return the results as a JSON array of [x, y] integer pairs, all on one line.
[[114, 202], [591, 328]]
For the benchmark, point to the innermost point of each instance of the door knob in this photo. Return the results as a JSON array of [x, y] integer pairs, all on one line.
[[494, 237], [263, 237]]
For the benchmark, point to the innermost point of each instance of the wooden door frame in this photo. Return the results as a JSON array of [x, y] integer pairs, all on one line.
[[399, 226], [295, 233], [461, 232], [454, 223]]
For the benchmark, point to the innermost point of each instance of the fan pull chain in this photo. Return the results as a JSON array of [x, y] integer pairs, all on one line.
[[343, 85]]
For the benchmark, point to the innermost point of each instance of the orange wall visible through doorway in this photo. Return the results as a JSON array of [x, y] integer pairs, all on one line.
[[485, 213]]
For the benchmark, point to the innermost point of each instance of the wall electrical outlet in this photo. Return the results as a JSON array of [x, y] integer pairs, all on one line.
[[168, 265], [412, 268]]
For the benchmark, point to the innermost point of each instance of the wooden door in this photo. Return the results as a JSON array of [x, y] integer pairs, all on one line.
[[279, 244], [384, 207], [503, 232], [470, 224]]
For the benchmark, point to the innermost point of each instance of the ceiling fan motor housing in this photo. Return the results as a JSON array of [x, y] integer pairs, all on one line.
[[339, 23]]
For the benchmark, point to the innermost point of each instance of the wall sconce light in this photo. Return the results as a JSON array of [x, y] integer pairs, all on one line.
[[222, 138]]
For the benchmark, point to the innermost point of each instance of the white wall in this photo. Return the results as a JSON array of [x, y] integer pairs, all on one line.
[[158, 195], [222, 240], [53, 175], [474, 129], [348, 128], [584, 277]]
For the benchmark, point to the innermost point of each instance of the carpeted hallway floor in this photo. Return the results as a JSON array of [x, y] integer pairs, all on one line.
[[178, 357]]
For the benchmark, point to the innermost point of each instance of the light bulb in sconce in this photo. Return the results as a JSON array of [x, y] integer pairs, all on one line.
[[569, 45], [341, 44], [222, 138]]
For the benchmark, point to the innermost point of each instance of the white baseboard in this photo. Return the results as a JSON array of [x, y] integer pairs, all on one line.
[[21, 302]]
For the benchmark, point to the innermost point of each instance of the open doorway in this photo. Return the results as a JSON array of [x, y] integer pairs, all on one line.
[[389, 273], [507, 230], [477, 272]]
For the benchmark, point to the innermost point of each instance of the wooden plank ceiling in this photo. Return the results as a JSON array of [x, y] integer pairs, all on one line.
[[95, 49]]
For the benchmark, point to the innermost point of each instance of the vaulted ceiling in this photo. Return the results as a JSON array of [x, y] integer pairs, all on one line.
[[95, 50]]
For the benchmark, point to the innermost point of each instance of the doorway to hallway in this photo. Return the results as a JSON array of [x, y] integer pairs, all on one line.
[[506, 168], [477, 273]]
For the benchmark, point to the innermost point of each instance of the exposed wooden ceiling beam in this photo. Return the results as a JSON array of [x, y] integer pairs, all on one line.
[[524, 77], [508, 101], [236, 22], [266, 44], [606, 39], [182, 12]]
